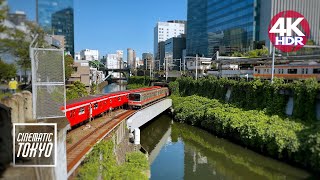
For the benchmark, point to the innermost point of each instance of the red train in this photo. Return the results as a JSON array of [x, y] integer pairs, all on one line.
[[80, 110]]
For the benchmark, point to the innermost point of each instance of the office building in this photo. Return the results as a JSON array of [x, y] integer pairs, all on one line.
[[161, 54], [57, 17], [174, 50], [131, 55], [228, 26], [89, 55], [167, 30], [147, 60]]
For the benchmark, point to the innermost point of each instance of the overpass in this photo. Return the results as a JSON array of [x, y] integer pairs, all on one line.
[[145, 115]]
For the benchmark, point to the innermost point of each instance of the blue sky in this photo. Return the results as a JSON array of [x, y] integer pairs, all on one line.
[[109, 25]]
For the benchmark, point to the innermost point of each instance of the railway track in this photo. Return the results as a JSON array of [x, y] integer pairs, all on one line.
[[77, 151]]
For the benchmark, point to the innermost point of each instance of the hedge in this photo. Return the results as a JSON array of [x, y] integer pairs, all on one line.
[[284, 138]]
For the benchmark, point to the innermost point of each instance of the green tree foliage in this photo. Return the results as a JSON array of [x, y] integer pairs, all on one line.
[[101, 162], [7, 71], [68, 62], [253, 53], [284, 138], [77, 90], [3, 14], [256, 94], [17, 43]]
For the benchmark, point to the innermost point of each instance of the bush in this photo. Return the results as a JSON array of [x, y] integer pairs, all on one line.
[[274, 135], [256, 94]]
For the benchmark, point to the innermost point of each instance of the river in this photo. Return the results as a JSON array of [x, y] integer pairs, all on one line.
[[180, 151]]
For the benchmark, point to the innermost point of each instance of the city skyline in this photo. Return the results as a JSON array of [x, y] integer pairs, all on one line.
[[103, 27]]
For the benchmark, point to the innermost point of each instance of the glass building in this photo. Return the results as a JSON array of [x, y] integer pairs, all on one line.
[[56, 17], [225, 26], [197, 36]]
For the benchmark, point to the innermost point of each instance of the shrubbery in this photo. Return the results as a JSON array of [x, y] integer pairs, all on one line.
[[255, 95], [292, 139], [102, 162]]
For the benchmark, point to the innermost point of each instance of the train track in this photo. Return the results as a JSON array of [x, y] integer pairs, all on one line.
[[78, 150]]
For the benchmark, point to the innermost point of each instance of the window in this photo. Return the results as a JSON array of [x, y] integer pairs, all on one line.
[[95, 106], [282, 71], [134, 97], [302, 70], [292, 71], [306, 71], [119, 99], [316, 71], [81, 111], [258, 71], [279, 71]]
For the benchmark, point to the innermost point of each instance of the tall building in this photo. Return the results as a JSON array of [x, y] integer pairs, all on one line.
[[147, 59], [89, 55], [197, 36], [240, 25], [174, 50], [130, 58], [57, 17], [167, 30]]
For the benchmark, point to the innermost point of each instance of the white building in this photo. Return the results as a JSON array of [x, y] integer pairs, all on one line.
[[77, 56], [89, 55], [167, 30], [113, 62]]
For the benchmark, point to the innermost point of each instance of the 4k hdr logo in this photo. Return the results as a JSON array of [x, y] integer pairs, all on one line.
[[289, 31]]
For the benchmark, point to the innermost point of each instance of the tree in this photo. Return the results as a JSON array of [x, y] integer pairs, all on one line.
[[17, 44], [68, 62], [3, 14], [77, 90], [7, 71]]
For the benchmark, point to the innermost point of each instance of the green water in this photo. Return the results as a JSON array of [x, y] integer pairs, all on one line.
[[179, 151]]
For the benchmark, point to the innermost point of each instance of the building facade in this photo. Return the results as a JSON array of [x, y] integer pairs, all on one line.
[[147, 59], [89, 55], [242, 25], [57, 17], [167, 30], [131, 58], [174, 51]]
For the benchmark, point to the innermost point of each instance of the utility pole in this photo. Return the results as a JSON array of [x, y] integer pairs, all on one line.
[[184, 65], [273, 59], [166, 64], [197, 67]]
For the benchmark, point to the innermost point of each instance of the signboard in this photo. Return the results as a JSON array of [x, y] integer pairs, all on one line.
[[289, 31]]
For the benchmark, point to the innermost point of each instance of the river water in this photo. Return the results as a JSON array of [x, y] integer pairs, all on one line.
[[180, 151]]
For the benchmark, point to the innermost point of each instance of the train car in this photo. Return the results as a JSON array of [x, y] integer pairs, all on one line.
[[83, 109], [289, 71], [139, 99]]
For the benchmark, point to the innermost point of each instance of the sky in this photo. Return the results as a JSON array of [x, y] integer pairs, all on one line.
[[110, 25]]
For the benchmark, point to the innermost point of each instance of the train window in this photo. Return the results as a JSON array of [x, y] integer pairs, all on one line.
[[119, 99], [282, 71], [316, 71], [258, 71], [95, 106], [134, 97], [81, 111], [306, 71], [292, 71], [302, 70]]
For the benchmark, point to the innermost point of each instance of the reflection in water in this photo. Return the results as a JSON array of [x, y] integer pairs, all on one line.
[[114, 87], [191, 153]]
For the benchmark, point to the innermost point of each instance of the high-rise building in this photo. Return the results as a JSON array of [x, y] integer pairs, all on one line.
[[174, 50], [57, 17], [228, 26], [130, 58], [167, 30], [147, 59]]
